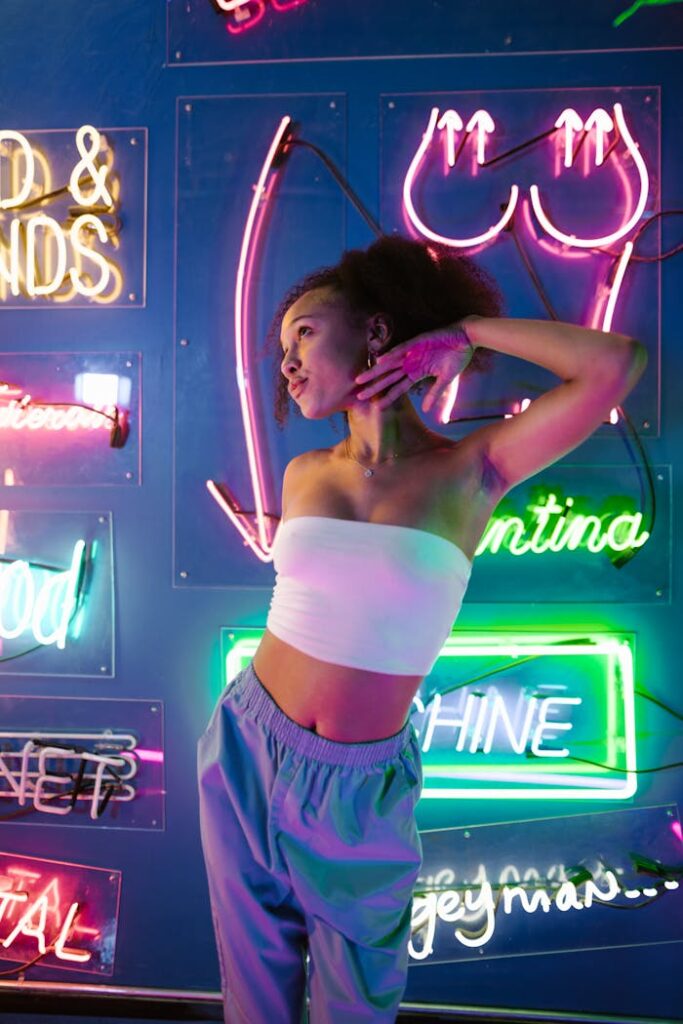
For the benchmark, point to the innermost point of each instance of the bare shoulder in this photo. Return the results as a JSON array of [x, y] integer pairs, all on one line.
[[301, 468]]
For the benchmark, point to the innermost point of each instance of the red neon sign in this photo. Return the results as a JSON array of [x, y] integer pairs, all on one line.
[[246, 14], [58, 914]]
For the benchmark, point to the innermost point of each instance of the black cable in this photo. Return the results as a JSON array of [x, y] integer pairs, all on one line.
[[611, 767], [343, 184], [531, 271], [641, 228]]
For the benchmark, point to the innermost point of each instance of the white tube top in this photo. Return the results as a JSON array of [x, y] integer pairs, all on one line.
[[368, 595]]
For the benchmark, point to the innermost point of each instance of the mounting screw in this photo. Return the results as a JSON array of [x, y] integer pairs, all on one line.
[[660, 476], [101, 519], [646, 424], [333, 104], [467, 835], [659, 593], [188, 107], [128, 364], [178, 54], [154, 708], [103, 668], [133, 141], [132, 296], [183, 342], [391, 105], [183, 574]]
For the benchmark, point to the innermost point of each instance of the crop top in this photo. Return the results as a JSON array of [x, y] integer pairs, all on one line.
[[367, 595]]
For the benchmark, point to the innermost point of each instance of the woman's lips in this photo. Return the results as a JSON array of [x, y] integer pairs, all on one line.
[[295, 389]]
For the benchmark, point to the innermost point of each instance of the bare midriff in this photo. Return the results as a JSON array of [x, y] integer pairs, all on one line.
[[348, 705]]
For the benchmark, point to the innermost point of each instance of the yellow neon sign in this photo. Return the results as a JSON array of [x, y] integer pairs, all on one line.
[[39, 256]]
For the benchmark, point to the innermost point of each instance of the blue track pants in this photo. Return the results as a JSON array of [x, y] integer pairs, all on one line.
[[312, 851]]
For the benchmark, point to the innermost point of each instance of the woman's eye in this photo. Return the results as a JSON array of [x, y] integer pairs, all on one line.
[[303, 327]]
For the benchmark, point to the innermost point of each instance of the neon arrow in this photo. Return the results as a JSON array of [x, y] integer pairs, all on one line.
[[416, 220], [452, 122], [591, 243], [258, 528], [482, 122], [571, 122], [603, 123]]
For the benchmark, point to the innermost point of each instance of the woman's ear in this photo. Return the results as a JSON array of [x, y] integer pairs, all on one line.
[[380, 330]]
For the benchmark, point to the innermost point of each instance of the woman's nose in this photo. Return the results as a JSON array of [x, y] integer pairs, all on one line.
[[289, 365]]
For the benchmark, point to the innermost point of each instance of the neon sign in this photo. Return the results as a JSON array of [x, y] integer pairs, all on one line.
[[505, 888], [63, 915], [35, 259], [596, 126], [258, 532], [555, 700], [554, 527], [57, 777], [246, 14], [39, 599], [455, 905]]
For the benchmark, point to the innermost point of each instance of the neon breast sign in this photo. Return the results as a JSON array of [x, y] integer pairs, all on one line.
[[27, 260], [63, 915]]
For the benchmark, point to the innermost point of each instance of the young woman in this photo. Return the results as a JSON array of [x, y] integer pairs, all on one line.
[[310, 768]]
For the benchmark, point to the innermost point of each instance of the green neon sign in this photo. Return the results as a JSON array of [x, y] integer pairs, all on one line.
[[555, 526], [528, 716]]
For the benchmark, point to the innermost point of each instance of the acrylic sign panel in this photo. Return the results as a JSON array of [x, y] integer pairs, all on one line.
[[56, 593], [518, 716], [93, 763], [235, 31], [560, 178], [84, 244], [63, 915], [245, 225], [553, 885], [57, 414]]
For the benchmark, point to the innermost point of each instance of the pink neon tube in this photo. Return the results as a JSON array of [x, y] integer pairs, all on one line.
[[591, 243], [259, 539], [418, 223]]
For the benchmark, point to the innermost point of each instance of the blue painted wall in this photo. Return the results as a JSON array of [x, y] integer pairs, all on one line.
[[112, 65]]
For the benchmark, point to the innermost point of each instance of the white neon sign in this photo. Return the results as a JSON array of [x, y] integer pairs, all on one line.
[[32, 780], [47, 608], [453, 906]]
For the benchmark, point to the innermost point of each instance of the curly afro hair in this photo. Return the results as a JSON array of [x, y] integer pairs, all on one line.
[[420, 286]]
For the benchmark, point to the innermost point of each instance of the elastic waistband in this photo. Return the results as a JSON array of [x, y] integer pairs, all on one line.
[[251, 696]]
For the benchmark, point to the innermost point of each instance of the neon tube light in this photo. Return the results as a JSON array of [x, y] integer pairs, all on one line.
[[415, 219], [590, 243], [46, 609], [41, 234], [259, 539], [570, 531], [460, 759]]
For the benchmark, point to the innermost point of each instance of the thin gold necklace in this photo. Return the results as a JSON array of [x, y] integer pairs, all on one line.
[[367, 471]]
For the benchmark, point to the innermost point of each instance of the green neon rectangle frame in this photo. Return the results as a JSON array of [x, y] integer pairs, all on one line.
[[584, 782]]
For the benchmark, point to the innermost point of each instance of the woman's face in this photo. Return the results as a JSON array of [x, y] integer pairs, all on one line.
[[322, 353]]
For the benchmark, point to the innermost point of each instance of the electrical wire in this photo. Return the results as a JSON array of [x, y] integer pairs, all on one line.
[[342, 182]]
